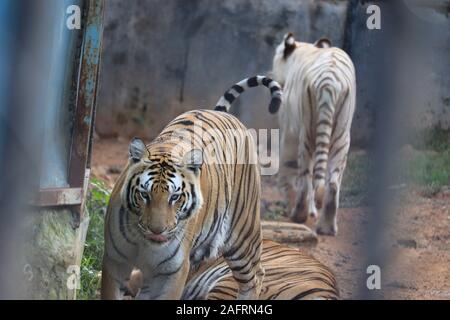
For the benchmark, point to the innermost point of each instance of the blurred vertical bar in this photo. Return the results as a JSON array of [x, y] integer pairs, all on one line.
[[9, 32], [388, 137], [63, 52], [39, 90], [24, 70]]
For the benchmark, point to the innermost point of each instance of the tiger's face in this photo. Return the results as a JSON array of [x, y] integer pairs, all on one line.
[[162, 194]]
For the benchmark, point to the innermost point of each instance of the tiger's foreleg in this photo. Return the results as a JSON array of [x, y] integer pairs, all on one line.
[[243, 255], [247, 270], [165, 284], [114, 278]]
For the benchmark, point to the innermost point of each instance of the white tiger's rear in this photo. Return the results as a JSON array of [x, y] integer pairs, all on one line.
[[315, 119]]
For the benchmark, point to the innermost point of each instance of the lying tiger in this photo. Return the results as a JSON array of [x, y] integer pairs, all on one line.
[[289, 275], [191, 195], [319, 101]]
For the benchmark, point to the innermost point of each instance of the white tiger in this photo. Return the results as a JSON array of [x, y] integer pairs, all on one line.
[[315, 118]]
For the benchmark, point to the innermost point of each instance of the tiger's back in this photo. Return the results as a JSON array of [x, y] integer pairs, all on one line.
[[314, 72]]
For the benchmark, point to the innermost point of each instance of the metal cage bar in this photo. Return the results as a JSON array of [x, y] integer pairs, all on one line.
[[84, 116]]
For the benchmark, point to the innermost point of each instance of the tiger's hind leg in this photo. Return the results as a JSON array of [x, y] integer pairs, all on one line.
[[327, 224], [304, 203], [287, 176]]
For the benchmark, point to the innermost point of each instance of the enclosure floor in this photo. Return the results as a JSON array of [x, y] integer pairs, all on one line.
[[419, 237]]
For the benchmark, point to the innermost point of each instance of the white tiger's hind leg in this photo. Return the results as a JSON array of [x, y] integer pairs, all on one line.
[[287, 176], [304, 203], [327, 224]]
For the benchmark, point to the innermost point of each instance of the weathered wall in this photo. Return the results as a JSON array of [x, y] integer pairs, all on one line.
[[422, 77], [53, 249], [164, 57], [434, 107]]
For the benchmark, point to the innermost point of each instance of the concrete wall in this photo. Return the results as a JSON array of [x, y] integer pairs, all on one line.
[[164, 57]]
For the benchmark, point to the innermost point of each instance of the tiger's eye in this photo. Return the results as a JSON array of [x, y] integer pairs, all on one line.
[[174, 198], [144, 196]]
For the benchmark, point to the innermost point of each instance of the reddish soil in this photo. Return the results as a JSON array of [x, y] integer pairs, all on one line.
[[418, 236]]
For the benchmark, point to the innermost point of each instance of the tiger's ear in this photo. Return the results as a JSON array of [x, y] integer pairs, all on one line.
[[193, 160], [323, 43], [289, 45], [137, 149]]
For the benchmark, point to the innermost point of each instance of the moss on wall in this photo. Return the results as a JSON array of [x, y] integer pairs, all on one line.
[[53, 247]]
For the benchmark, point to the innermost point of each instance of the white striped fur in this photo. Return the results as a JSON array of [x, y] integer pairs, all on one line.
[[315, 120]]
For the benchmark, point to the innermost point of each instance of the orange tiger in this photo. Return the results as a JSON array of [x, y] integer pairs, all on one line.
[[290, 274], [191, 195]]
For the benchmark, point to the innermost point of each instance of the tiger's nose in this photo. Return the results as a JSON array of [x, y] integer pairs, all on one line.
[[156, 230]]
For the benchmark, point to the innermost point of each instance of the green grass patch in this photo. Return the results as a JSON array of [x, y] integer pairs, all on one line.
[[354, 189], [430, 170], [429, 167], [91, 263], [432, 139]]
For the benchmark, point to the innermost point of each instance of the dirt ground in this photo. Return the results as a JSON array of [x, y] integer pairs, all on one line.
[[418, 236]]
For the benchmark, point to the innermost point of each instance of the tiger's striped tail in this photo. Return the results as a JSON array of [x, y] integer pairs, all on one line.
[[235, 91], [326, 102]]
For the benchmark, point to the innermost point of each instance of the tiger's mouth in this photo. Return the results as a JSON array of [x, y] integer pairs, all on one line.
[[159, 238]]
